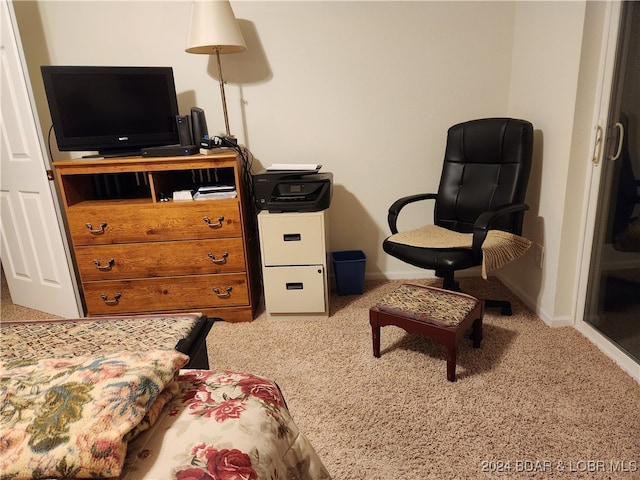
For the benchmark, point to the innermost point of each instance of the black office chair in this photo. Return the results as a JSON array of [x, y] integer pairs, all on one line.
[[482, 187]]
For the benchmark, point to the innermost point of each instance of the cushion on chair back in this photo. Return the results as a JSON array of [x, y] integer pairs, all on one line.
[[486, 165]]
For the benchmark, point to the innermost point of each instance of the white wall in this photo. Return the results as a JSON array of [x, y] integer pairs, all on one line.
[[367, 89], [544, 86]]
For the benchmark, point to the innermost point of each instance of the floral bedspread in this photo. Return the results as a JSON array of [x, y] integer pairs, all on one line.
[[137, 416], [224, 426], [74, 417]]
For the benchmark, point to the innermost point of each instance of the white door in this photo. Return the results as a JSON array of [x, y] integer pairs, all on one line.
[[33, 252]]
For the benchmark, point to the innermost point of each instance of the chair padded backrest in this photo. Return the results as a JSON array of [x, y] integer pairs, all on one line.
[[486, 165]]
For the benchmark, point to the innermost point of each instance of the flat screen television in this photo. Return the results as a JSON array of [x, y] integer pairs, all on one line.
[[112, 110]]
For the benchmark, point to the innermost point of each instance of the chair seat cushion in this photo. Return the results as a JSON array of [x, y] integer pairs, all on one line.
[[436, 259], [430, 305], [436, 247], [433, 236]]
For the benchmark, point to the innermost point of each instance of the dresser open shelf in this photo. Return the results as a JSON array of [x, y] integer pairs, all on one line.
[[136, 250]]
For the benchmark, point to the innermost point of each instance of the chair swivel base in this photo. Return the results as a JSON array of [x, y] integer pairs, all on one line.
[[503, 305], [448, 283]]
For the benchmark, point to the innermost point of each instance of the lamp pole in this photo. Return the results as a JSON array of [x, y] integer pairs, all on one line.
[[224, 98]]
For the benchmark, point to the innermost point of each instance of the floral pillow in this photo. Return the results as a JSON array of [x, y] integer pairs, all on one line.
[[224, 426]]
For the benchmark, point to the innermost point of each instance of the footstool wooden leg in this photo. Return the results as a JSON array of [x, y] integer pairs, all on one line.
[[375, 332], [477, 332], [451, 363]]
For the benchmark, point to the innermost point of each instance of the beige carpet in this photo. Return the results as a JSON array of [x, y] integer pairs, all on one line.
[[530, 394]]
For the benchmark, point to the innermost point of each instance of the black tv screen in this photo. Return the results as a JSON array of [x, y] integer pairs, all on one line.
[[112, 110]]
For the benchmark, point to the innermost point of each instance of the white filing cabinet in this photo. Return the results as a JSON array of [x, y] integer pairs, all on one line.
[[294, 263]]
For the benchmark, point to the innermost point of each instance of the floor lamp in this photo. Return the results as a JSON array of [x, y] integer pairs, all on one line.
[[214, 30]]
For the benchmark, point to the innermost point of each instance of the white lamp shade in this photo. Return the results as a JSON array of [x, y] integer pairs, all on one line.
[[214, 27]]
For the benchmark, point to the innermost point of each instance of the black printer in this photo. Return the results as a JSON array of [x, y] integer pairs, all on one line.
[[292, 190]]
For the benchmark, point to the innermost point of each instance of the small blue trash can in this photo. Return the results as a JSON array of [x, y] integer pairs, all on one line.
[[349, 267]]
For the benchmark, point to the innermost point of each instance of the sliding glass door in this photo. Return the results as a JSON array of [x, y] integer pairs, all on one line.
[[613, 290]]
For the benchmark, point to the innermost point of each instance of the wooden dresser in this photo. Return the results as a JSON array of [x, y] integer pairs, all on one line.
[[139, 251]]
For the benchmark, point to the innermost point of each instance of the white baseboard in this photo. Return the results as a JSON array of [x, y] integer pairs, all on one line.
[[555, 322]]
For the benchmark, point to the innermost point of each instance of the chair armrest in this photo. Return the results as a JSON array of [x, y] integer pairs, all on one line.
[[484, 222], [394, 209]]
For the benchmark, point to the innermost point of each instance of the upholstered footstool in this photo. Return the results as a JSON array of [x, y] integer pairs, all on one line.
[[442, 315]]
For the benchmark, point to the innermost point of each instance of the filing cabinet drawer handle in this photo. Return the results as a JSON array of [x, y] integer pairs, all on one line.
[[218, 261], [116, 299], [104, 268], [98, 231], [292, 237], [207, 220], [226, 294], [295, 286]]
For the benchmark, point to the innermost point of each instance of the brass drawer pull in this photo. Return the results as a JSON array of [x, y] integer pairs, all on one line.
[[116, 299], [214, 225], [99, 231], [226, 294], [218, 261], [104, 268]]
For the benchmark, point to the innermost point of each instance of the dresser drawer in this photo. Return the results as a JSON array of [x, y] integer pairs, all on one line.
[[287, 239], [158, 259], [123, 223], [169, 293], [295, 289]]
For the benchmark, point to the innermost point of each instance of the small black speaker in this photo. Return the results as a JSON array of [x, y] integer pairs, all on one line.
[[198, 124], [184, 131]]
